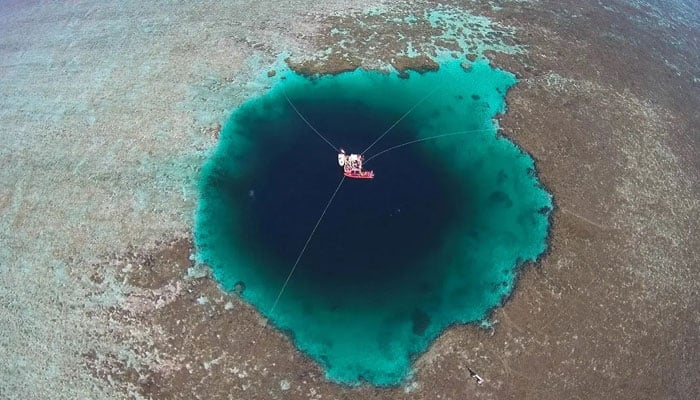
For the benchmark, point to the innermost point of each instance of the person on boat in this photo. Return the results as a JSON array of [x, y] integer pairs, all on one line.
[[342, 158], [352, 165], [355, 163]]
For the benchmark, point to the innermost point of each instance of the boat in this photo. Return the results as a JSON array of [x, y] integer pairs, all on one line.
[[360, 175], [352, 165]]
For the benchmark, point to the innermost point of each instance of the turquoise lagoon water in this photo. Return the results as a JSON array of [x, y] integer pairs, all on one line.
[[435, 239]]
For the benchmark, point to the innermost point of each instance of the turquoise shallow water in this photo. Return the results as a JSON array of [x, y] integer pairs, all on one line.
[[435, 239]]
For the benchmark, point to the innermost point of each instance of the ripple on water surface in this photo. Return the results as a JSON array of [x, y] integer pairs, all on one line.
[[435, 239]]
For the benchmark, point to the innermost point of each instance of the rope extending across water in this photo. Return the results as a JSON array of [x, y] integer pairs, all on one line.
[[376, 140], [400, 119], [335, 192], [308, 240], [423, 140], [309, 124]]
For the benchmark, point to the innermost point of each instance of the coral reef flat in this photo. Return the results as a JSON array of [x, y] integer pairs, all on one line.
[[108, 112]]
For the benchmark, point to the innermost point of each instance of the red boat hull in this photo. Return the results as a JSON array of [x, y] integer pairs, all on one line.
[[360, 175]]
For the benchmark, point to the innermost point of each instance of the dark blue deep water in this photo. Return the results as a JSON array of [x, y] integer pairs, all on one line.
[[435, 239]]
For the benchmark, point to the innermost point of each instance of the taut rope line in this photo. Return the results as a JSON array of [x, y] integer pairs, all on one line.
[[309, 124], [425, 139], [400, 119], [301, 253]]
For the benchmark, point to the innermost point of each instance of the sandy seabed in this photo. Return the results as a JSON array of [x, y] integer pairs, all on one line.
[[108, 111]]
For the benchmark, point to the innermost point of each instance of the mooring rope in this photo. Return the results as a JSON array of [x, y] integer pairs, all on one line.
[[309, 124], [423, 140], [308, 240], [400, 119]]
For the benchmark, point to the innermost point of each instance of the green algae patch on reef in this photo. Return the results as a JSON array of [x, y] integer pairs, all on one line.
[[435, 239]]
